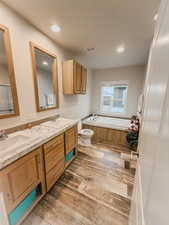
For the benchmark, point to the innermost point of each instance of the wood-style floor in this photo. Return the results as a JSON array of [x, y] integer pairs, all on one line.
[[94, 190]]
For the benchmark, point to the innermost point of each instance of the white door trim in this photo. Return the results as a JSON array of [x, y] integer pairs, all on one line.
[[137, 212]]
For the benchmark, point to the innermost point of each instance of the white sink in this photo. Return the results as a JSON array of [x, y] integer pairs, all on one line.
[[42, 130], [51, 124], [12, 144]]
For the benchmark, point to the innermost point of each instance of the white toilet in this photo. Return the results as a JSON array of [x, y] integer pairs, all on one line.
[[85, 136]]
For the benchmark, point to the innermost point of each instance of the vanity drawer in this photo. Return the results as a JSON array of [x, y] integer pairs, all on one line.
[[52, 143], [54, 174], [54, 156]]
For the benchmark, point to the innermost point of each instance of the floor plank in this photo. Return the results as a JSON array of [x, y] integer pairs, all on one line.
[[94, 190]]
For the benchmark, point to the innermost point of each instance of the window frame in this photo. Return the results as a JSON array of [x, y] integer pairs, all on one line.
[[118, 84]]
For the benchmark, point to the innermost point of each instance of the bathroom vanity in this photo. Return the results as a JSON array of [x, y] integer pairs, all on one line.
[[32, 162]]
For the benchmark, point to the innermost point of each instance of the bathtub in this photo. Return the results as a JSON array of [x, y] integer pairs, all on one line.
[[108, 122], [108, 130]]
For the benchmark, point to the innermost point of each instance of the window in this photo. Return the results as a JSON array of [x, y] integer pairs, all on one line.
[[113, 98]]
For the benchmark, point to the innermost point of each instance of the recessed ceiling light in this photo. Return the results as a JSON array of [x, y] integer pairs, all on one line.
[[156, 17], [55, 28], [120, 49], [90, 49], [45, 63]]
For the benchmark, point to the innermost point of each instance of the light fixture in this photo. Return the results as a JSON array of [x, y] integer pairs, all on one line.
[[90, 49], [45, 63], [156, 17], [55, 28], [120, 49]]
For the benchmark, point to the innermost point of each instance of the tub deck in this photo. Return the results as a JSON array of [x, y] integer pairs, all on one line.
[[108, 122]]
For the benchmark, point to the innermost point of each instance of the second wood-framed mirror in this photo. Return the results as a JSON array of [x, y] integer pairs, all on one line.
[[8, 94], [45, 75]]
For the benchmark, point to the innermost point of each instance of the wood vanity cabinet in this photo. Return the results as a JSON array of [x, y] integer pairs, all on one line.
[[70, 139], [54, 160], [26, 180], [21, 177], [74, 78]]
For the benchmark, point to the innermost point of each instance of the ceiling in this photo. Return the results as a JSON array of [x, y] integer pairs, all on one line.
[[99, 24]]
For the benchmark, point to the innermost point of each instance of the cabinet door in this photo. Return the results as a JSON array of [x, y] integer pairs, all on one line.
[[77, 78], [71, 139], [53, 157], [54, 160], [55, 173], [68, 72], [21, 177], [84, 80]]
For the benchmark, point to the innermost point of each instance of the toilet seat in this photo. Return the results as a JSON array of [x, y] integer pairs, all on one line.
[[86, 132], [85, 136]]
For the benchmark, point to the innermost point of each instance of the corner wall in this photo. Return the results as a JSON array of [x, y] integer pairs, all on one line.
[[21, 33], [135, 76]]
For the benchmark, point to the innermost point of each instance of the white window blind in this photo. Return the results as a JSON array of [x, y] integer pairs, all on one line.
[[113, 98]]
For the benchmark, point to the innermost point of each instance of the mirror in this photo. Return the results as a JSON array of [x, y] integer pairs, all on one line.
[[45, 78], [8, 95]]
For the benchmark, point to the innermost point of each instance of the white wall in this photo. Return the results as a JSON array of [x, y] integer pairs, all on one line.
[[153, 165], [135, 76], [21, 33], [69, 106]]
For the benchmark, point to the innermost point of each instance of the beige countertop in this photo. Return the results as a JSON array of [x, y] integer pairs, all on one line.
[[23, 142]]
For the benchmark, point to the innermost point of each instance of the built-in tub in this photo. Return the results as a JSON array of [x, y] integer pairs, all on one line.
[[108, 129], [107, 122]]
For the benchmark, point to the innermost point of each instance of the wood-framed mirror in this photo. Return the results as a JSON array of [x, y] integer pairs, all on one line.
[[45, 75], [8, 94]]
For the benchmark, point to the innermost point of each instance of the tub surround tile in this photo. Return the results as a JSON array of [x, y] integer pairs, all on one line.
[[86, 117], [94, 190]]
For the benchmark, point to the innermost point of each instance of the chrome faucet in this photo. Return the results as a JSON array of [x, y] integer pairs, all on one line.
[[94, 115], [3, 135]]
